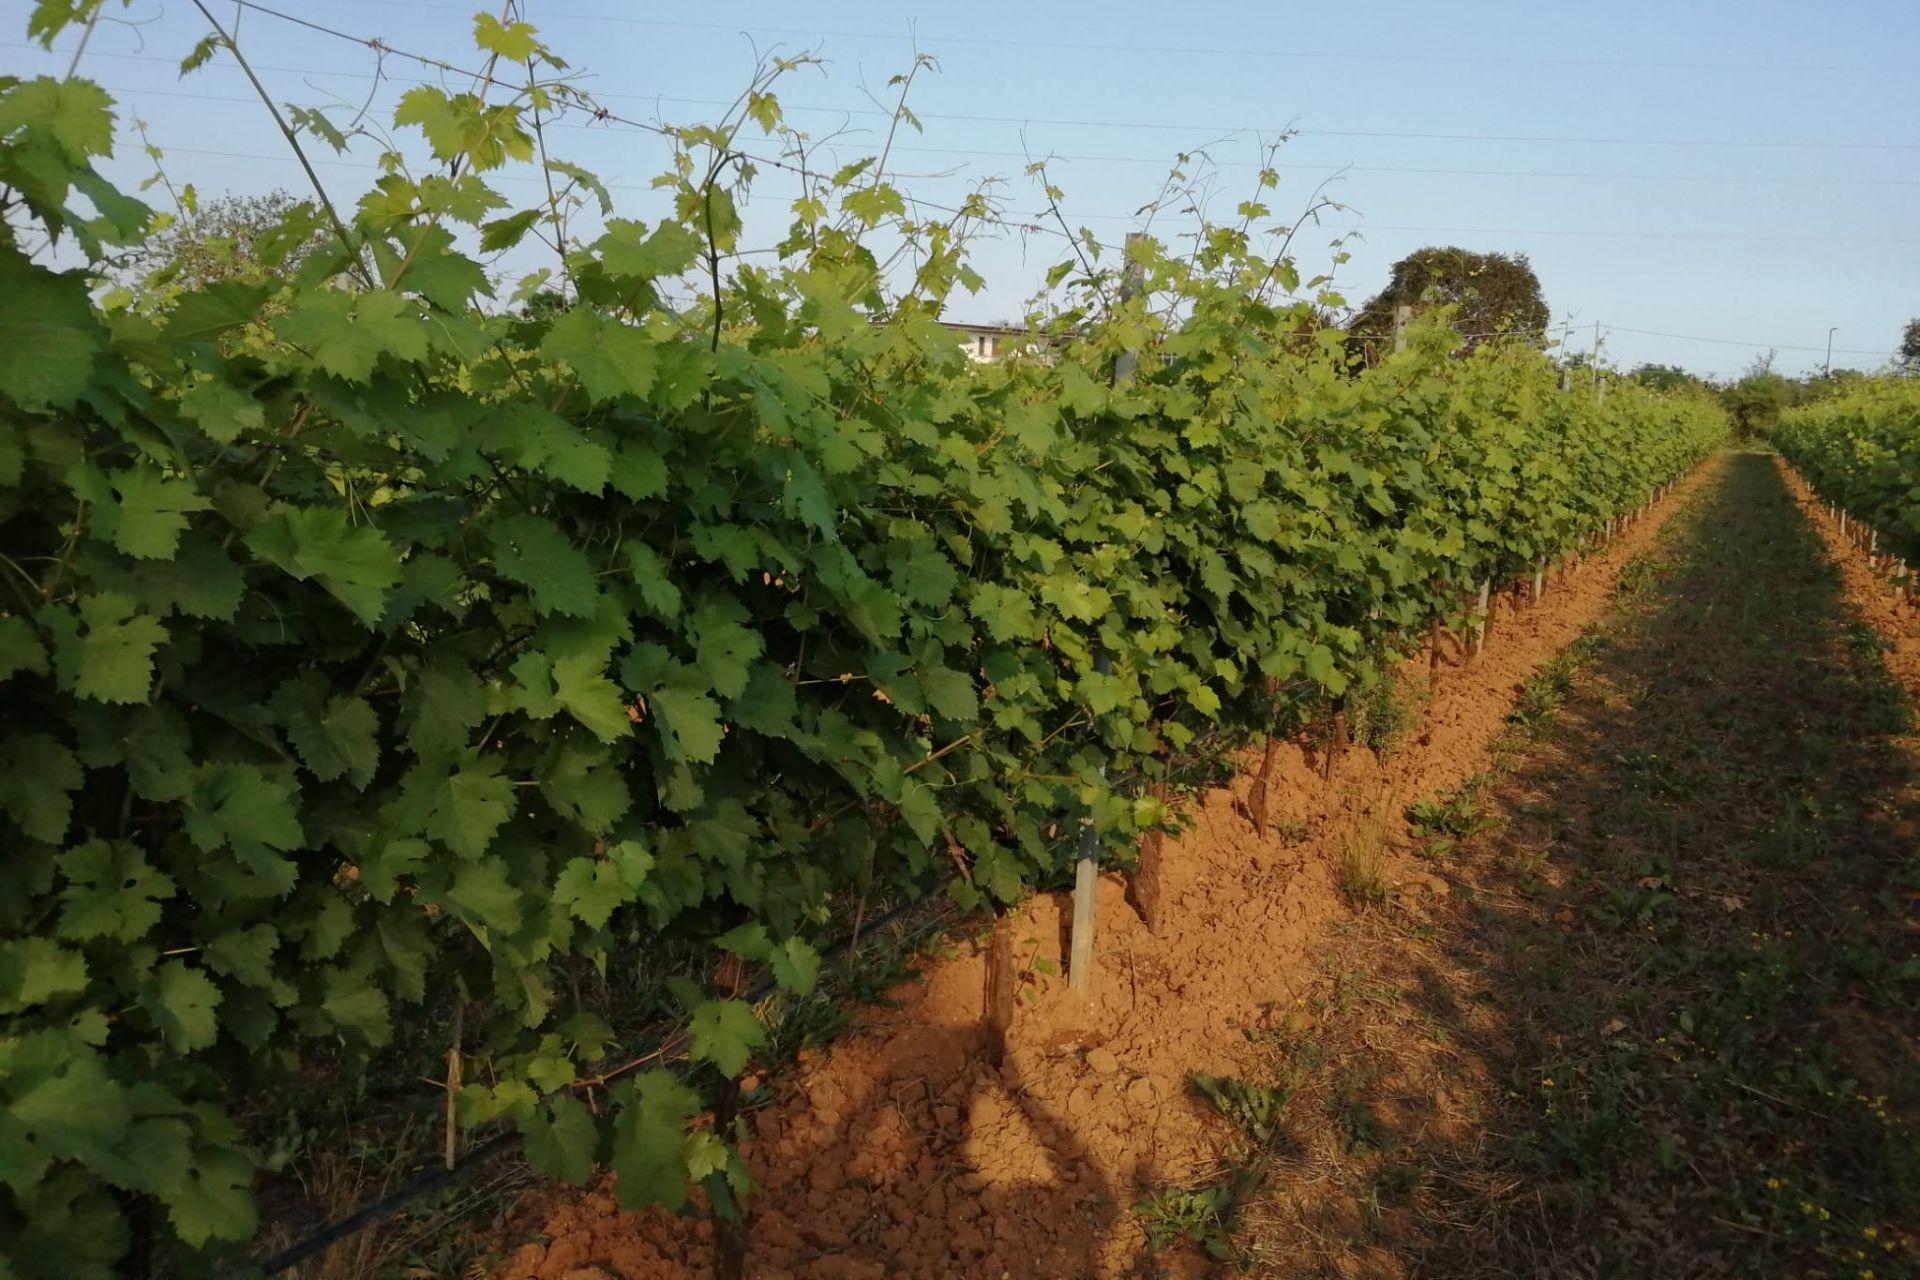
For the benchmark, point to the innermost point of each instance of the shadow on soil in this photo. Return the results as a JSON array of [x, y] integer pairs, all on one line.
[[1666, 1021]]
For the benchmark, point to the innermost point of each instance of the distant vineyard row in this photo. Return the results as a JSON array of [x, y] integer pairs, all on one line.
[[1859, 447], [368, 643]]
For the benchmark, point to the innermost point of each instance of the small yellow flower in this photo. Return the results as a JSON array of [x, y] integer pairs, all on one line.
[[1773, 1184], [1547, 1082], [1871, 1233]]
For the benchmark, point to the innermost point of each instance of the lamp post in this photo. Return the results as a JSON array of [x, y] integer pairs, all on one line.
[[1829, 373]]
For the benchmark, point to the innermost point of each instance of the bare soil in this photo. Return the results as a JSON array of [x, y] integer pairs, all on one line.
[[1667, 1022], [899, 1152]]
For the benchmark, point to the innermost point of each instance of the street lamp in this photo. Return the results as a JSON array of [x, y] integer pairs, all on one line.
[[1829, 373]]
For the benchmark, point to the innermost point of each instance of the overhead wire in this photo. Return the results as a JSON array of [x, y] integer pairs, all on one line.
[[1242, 51], [1139, 125], [1809, 180]]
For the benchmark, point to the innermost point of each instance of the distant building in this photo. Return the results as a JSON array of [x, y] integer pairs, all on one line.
[[986, 343]]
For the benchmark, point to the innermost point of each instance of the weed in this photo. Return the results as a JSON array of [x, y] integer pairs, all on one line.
[[1384, 711], [1201, 1216], [1441, 824], [1362, 875], [1254, 1108]]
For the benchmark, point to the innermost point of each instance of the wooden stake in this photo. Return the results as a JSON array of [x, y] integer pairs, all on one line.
[[1143, 886], [998, 1013], [453, 1078]]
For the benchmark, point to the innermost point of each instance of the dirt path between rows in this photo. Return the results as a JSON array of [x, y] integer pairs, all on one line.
[[1868, 588], [1667, 1021], [899, 1153]]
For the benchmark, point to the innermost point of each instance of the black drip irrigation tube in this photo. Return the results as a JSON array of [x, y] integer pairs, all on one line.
[[385, 1206]]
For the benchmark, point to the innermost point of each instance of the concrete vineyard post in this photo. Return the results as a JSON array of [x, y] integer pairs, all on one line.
[[1401, 315], [1480, 616], [1086, 870], [1086, 887]]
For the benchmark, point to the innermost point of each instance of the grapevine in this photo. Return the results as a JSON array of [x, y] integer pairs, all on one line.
[[367, 640]]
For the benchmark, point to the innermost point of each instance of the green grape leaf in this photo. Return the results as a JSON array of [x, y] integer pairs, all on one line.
[[444, 705], [36, 970], [246, 954], [156, 748], [577, 684], [382, 867], [49, 336], [504, 233], [638, 472], [110, 892], [611, 359], [20, 649], [650, 575], [346, 333], [725, 1033], [726, 649], [37, 778], [463, 124], [182, 1001], [648, 1136], [592, 889], [220, 307], [354, 563], [357, 1007], [584, 784], [627, 250], [562, 1139], [200, 581], [767, 705], [513, 41], [79, 1112], [534, 552], [461, 803], [242, 807], [949, 693], [484, 896], [689, 724], [336, 739], [76, 114], [221, 410], [213, 1202], [151, 514], [796, 966], [109, 656], [920, 808]]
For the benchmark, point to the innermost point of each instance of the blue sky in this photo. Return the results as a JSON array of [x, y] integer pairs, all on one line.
[[1739, 171]]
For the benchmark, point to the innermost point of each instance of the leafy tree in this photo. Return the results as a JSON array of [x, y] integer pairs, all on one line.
[[227, 238], [1910, 346], [1756, 400], [1493, 294], [1665, 377]]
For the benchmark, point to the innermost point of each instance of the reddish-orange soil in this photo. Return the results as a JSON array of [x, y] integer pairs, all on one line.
[[899, 1152], [1893, 617]]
